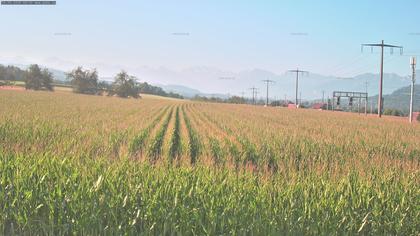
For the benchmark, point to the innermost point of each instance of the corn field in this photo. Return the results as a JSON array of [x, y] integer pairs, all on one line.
[[79, 164]]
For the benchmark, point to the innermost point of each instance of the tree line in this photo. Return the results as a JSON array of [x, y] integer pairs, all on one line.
[[82, 81]]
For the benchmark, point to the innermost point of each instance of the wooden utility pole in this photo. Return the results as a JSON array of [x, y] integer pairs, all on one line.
[[382, 46]]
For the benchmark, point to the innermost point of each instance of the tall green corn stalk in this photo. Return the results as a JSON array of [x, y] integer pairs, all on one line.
[[217, 152], [194, 143], [136, 145], [175, 144], [155, 148]]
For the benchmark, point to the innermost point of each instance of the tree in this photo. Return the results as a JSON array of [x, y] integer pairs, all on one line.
[[393, 112], [47, 79], [105, 86], [38, 79], [236, 100], [12, 73], [84, 81], [125, 85]]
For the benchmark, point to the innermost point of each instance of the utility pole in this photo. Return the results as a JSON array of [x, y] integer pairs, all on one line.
[[300, 98], [328, 102], [256, 97], [382, 46], [323, 95], [367, 97], [267, 81], [371, 106], [413, 80], [297, 71], [254, 92]]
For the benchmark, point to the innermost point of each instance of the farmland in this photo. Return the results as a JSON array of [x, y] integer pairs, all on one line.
[[106, 165]]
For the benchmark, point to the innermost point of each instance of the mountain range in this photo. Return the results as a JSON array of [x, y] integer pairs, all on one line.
[[214, 82], [400, 99], [210, 81]]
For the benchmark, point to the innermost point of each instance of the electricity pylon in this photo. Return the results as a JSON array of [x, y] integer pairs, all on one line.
[[267, 81], [297, 71], [382, 46], [254, 92]]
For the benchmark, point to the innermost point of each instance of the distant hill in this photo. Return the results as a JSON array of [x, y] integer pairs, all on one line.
[[209, 80], [400, 99], [179, 89], [57, 74]]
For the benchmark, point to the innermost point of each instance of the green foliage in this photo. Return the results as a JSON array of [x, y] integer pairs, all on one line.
[[155, 149], [136, 145], [55, 195], [400, 99], [175, 144], [38, 79], [125, 86], [217, 152], [249, 152], [232, 99], [393, 112], [67, 168], [150, 89], [236, 100], [84, 81], [194, 143], [12, 73]]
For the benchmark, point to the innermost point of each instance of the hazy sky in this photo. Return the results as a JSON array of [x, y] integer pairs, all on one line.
[[320, 36]]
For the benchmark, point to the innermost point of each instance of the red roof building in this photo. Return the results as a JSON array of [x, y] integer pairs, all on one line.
[[318, 106]]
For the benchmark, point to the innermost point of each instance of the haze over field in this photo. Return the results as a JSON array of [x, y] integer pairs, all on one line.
[[218, 47], [211, 81]]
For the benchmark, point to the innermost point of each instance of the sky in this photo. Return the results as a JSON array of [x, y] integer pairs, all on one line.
[[322, 37]]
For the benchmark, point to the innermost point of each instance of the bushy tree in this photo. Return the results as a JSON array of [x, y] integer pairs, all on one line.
[[125, 85], [150, 89], [393, 112], [38, 79], [236, 100], [84, 81], [12, 73]]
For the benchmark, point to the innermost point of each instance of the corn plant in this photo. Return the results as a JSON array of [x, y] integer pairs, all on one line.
[[155, 149], [194, 140], [293, 174], [175, 144]]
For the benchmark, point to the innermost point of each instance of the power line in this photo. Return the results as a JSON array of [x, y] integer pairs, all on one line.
[[382, 46], [267, 81], [344, 66], [297, 71]]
